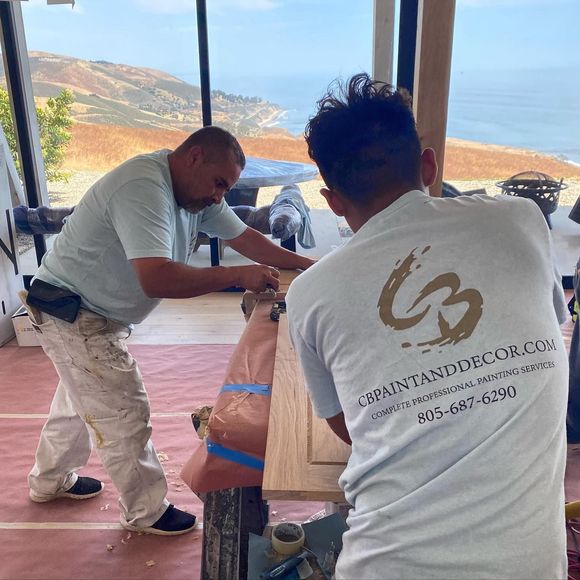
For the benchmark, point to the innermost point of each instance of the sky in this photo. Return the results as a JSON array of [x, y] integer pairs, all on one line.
[[287, 38]]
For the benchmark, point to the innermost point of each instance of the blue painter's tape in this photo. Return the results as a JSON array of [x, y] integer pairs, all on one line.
[[250, 388], [234, 456]]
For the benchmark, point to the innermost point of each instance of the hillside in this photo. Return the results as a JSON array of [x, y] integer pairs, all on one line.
[[100, 148], [116, 94]]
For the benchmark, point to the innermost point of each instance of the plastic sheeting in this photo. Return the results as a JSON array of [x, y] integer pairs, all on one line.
[[290, 205], [280, 219], [40, 220]]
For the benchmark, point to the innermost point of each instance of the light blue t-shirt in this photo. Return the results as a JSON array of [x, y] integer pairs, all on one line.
[[435, 331], [129, 213]]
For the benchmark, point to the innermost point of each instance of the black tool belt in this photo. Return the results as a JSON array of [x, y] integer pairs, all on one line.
[[53, 300]]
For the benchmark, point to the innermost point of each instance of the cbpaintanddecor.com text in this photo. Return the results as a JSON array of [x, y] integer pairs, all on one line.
[[456, 368]]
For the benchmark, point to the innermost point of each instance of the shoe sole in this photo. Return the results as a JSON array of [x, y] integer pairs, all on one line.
[[64, 494], [156, 532]]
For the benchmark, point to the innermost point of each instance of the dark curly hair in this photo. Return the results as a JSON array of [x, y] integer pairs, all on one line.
[[364, 139]]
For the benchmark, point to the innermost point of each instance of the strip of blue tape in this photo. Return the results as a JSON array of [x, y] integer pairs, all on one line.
[[234, 456], [250, 388]]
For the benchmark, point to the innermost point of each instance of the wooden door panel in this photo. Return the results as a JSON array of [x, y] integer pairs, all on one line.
[[304, 459]]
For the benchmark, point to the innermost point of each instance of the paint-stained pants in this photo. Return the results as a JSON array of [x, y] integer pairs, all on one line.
[[100, 397]]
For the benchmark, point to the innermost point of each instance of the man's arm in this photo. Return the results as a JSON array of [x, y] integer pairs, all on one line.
[[164, 278], [259, 248], [338, 425]]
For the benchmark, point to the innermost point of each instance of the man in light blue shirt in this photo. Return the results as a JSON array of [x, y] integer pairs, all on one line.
[[124, 248]]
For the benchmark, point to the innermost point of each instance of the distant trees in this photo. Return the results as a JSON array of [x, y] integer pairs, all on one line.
[[54, 123], [219, 94]]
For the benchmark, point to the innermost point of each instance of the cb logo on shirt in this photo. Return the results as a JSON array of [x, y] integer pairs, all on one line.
[[446, 333]]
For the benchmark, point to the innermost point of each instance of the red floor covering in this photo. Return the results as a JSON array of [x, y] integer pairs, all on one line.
[[177, 378], [83, 540]]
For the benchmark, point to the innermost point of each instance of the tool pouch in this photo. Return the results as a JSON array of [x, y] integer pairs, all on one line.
[[53, 300]]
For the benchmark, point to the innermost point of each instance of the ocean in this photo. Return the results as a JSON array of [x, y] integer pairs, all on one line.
[[531, 109]]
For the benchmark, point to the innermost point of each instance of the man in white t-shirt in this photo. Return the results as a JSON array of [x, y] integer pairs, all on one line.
[[123, 249], [431, 341]]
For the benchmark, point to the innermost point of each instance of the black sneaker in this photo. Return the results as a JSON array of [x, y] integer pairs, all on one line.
[[84, 488], [172, 523]]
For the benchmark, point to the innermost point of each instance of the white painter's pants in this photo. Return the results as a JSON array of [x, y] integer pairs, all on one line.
[[101, 397]]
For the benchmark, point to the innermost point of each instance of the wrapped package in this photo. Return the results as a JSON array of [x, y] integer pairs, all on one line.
[[40, 220], [289, 212], [285, 219], [255, 217], [232, 454], [281, 218]]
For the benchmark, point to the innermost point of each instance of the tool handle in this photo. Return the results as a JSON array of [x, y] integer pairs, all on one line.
[[281, 569]]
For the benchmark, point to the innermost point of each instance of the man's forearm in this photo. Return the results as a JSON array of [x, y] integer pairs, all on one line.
[[257, 247], [338, 425], [176, 280]]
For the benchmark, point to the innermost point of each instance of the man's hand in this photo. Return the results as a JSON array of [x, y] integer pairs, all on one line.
[[258, 278], [164, 278], [307, 262]]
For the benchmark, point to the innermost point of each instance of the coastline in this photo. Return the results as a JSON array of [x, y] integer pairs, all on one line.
[[275, 119]]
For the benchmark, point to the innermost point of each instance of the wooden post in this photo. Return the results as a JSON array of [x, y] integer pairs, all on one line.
[[432, 73], [383, 40]]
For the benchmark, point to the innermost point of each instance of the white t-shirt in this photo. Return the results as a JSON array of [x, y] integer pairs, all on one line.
[[129, 213], [436, 331]]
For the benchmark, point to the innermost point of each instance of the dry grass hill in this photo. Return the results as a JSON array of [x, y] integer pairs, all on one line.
[[96, 148], [126, 96], [99, 148]]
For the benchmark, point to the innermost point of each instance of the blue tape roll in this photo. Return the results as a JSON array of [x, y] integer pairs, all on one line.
[[234, 456], [250, 388]]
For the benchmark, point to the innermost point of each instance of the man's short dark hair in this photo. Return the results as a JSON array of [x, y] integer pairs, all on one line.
[[364, 139], [214, 141]]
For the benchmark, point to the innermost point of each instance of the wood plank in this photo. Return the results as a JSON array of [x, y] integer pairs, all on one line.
[[383, 40], [432, 74], [185, 339], [288, 472], [215, 318]]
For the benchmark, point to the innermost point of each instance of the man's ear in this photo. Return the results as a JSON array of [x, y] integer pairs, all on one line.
[[428, 167], [334, 201], [194, 155]]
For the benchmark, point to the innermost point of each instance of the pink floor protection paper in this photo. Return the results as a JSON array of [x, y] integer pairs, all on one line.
[[83, 539]]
